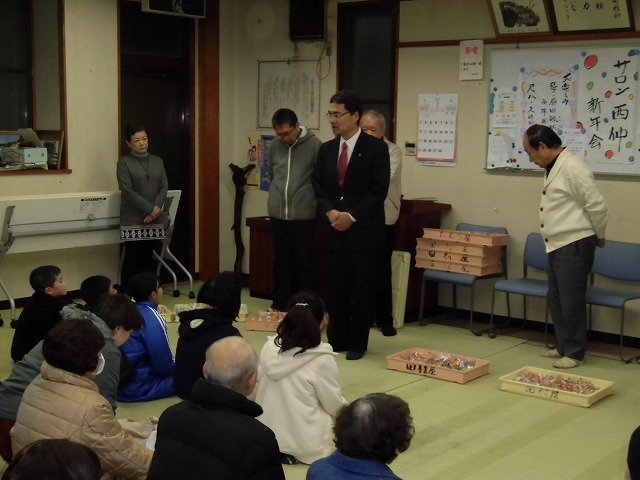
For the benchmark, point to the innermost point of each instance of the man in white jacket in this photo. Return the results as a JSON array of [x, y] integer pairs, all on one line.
[[573, 219]]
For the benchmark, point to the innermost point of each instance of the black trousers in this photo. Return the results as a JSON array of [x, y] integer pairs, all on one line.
[[293, 262], [352, 282], [383, 312], [138, 257]]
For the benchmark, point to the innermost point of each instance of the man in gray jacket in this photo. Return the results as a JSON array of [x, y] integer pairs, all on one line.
[[291, 206]]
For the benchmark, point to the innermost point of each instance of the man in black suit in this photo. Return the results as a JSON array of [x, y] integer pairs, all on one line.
[[351, 179]]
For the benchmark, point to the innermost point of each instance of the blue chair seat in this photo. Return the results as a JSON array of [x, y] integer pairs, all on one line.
[[608, 297], [523, 286], [449, 277]]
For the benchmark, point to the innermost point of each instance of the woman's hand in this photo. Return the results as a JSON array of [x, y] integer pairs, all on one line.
[[150, 217]]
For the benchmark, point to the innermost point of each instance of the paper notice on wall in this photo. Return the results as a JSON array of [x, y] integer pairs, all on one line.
[[470, 60]]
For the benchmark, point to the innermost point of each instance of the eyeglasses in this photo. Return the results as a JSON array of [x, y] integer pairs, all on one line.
[[335, 115], [285, 133]]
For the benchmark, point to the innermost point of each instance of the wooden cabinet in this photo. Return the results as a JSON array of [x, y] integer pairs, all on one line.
[[414, 216]]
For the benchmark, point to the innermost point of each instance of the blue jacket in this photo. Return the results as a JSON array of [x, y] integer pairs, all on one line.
[[149, 353], [340, 467]]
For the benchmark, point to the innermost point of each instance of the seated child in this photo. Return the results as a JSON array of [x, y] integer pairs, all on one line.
[[203, 323], [298, 383], [42, 312], [147, 351], [369, 434]]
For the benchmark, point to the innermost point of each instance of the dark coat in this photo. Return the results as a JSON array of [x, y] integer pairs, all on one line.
[[215, 435], [362, 193], [37, 318], [198, 330]]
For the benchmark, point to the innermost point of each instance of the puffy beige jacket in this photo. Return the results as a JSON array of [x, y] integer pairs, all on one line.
[[60, 404]]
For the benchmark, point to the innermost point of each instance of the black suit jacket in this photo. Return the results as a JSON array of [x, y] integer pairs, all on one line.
[[362, 193]]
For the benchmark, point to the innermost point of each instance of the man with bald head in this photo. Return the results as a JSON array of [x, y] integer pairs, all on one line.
[[215, 433]]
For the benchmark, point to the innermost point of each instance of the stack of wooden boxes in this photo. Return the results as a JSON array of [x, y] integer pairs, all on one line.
[[473, 253]]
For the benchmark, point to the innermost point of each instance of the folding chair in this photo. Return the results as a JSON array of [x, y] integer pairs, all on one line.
[[617, 261], [464, 279], [535, 256]]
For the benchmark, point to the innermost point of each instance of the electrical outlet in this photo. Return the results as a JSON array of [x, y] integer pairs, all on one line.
[[328, 50]]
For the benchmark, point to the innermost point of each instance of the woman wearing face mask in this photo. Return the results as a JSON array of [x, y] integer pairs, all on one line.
[[64, 402]]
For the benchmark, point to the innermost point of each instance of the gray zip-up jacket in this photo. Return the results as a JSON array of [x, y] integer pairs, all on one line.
[[291, 195]]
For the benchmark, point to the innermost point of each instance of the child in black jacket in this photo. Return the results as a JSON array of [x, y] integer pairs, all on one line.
[[203, 323], [42, 312]]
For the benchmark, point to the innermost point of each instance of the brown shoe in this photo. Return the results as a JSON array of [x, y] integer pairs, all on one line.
[[566, 362], [552, 353]]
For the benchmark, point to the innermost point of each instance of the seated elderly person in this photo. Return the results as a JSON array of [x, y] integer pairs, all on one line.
[[369, 434], [64, 402]]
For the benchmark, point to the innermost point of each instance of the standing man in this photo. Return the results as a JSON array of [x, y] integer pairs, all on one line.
[[374, 124], [215, 434], [351, 179], [573, 219], [291, 206]]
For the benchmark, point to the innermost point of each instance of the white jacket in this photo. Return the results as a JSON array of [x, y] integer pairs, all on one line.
[[571, 207], [300, 396]]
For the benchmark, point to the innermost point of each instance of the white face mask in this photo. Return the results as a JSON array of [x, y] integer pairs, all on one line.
[[100, 366]]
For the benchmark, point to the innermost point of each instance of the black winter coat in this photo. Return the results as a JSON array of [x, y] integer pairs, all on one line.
[[215, 435]]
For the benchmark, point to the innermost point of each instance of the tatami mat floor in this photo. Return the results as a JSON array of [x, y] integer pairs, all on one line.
[[471, 431]]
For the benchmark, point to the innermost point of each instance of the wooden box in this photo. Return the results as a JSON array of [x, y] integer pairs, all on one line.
[[457, 247], [476, 238], [457, 267], [439, 255], [418, 362], [264, 321], [510, 384]]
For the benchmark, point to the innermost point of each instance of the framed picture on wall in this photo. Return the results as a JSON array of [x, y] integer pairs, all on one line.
[[520, 17], [591, 15]]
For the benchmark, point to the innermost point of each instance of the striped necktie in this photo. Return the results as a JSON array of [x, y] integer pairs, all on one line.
[[343, 162]]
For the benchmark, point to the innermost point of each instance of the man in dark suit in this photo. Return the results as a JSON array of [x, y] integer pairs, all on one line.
[[351, 179]]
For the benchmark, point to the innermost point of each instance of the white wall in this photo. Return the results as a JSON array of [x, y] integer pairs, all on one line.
[[258, 30]]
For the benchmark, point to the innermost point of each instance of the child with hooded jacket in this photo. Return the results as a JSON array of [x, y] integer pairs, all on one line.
[[298, 385], [203, 323]]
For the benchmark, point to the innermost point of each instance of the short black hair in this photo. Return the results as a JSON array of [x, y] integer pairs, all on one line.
[[92, 288], [119, 311], [43, 277], [141, 285], [376, 427], [222, 292], [350, 100], [131, 129], [54, 459], [284, 116], [73, 345], [537, 134]]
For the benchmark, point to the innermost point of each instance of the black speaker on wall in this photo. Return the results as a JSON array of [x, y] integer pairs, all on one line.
[[306, 19]]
